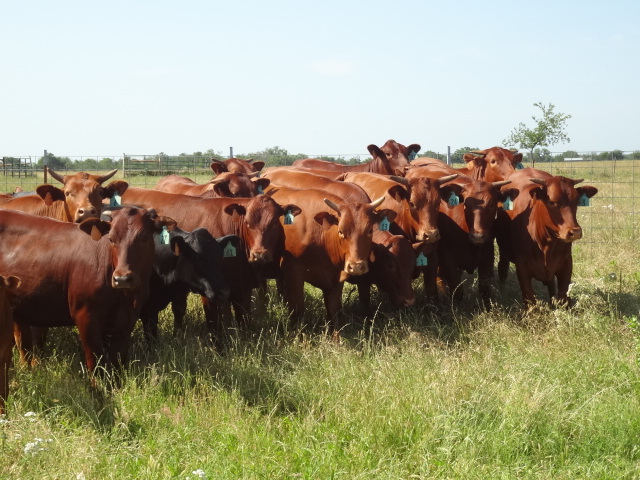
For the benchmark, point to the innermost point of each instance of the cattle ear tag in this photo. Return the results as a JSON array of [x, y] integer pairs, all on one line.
[[384, 224], [260, 190], [412, 155], [453, 199], [229, 250], [519, 166], [507, 204], [116, 200], [288, 218], [164, 236], [584, 201], [421, 260]]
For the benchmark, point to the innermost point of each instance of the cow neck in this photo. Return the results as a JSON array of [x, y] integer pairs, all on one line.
[[542, 229], [374, 166], [331, 242]]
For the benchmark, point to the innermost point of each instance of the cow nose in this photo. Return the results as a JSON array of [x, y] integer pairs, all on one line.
[[260, 256], [122, 280], [574, 234], [477, 237], [86, 212], [359, 268], [431, 236]]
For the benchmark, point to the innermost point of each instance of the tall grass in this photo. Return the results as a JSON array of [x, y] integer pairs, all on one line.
[[445, 391]]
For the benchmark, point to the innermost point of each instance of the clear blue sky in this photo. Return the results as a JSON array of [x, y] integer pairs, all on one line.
[[323, 77]]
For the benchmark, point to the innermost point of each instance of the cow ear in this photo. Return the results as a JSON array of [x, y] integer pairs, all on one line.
[[50, 193], [398, 193], [449, 188], [538, 193], [235, 210], [95, 228], [218, 168], [234, 239], [177, 243], [517, 158], [222, 189], [372, 255], [326, 219], [413, 148], [261, 183], [117, 186], [292, 209], [375, 151], [587, 190], [11, 282], [511, 193], [472, 160], [257, 165], [161, 221], [383, 213]]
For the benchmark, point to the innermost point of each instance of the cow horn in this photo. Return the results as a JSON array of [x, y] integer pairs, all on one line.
[[580, 180], [446, 179], [106, 176], [478, 152], [332, 205], [539, 181], [377, 203], [55, 175], [217, 160], [253, 174], [500, 184], [400, 180]]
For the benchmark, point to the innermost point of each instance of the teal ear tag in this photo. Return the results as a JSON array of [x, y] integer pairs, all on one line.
[[116, 200], [421, 260], [288, 218], [584, 201], [412, 155], [384, 225], [164, 236], [229, 251], [519, 166], [453, 200], [507, 204], [260, 191]]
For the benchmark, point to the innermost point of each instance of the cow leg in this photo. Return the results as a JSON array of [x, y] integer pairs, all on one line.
[[333, 304], [24, 342], [564, 280], [179, 309], [242, 309], [91, 339], [524, 280], [293, 291], [485, 274], [6, 356], [430, 277], [364, 296]]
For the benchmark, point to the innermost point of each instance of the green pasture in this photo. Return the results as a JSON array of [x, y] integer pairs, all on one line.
[[444, 391]]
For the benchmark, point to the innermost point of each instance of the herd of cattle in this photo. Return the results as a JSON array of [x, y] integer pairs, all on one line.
[[100, 257]]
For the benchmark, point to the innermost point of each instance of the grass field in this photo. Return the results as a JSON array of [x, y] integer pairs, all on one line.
[[428, 392]]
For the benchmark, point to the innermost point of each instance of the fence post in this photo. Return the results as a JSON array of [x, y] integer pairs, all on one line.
[[123, 157], [45, 166]]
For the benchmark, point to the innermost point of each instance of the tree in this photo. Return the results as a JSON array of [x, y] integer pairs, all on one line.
[[548, 130]]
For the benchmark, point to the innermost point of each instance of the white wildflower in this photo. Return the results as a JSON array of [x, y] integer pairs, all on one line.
[[199, 473], [80, 476], [30, 414]]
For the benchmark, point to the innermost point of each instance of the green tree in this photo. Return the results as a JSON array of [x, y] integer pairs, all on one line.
[[456, 156], [55, 163], [548, 130]]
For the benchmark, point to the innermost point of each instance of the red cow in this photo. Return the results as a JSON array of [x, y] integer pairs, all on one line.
[[94, 276], [79, 199], [316, 171], [467, 231], [329, 241], [236, 165], [390, 159], [255, 220], [224, 185], [8, 286], [494, 164], [537, 234]]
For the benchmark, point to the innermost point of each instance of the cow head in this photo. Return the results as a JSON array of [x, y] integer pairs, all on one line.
[[480, 202], [261, 227], [354, 231], [131, 241], [393, 266], [238, 185], [236, 165], [560, 199], [394, 155], [424, 195], [81, 193], [493, 164]]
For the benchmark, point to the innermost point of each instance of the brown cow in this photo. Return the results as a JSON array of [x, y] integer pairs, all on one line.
[[94, 276], [493, 164], [255, 220], [415, 200], [467, 230], [8, 286], [224, 185], [537, 234], [80, 198], [236, 165], [329, 241], [316, 171], [390, 159]]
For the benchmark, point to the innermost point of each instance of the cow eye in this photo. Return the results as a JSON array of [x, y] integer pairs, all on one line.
[[553, 204], [340, 233]]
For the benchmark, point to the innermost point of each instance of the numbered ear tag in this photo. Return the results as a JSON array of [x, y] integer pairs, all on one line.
[[421, 260], [507, 204], [260, 191], [453, 200], [519, 166], [384, 225], [229, 251], [288, 218], [116, 200], [412, 155], [584, 201], [164, 236]]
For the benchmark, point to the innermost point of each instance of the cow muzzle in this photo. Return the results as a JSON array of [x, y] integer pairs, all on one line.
[[356, 268], [431, 236], [123, 281], [260, 256], [478, 238], [572, 234], [84, 213]]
